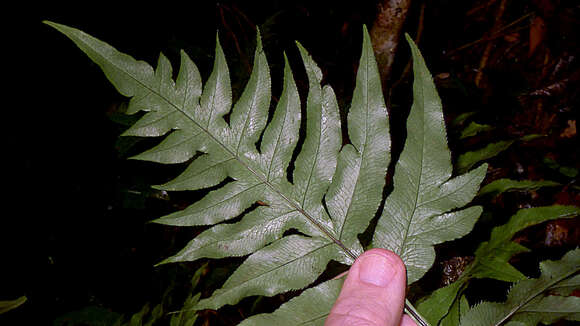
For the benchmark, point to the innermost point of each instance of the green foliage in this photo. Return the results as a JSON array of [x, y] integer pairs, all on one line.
[[145, 317], [454, 316], [186, 316], [567, 171], [466, 160], [310, 308], [529, 301], [8, 305], [473, 129], [329, 196], [499, 186], [492, 258]]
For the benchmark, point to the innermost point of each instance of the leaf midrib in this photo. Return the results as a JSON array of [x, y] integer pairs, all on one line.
[[241, 237], [246, 120], [278, 141], [534, 295], [238, 285], [412, 215]]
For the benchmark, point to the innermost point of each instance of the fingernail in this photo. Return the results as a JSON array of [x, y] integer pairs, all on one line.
[[376, 270]]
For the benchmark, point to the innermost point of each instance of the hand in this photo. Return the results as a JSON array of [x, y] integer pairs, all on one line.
[[373, 294]]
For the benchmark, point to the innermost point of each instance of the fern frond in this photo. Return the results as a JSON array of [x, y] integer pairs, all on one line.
[[335, 190], [492, 258], [195, 120], [528, 303]]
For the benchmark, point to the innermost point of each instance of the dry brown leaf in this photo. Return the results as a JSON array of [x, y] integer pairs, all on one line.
[[570, 131]]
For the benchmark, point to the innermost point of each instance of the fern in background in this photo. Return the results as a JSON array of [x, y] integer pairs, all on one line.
[[334, 191], [531, 301], [491, 261]]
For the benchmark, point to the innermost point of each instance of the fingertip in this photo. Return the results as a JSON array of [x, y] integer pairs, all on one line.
[[380, 267], [374, 290], [393, 258]]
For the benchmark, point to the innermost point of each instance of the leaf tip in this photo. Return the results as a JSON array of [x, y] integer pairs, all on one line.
[[156, 221], [59, 27], [483, 167], [50, 23], [134, 157], [163, 262], [287, 68], [303, 52], [258, 40], [366, 36], [158, 187]]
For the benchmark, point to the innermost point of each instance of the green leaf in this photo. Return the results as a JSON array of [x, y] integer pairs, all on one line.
[[422, 209], [462, 118], [473, 129], [138, 318], [290, 263], [499, 186], [8, 305], [564, 170], [459, 307], [548, 310], [441, 301], [187, 316], [527, 302], [310, 308], [567, 286], [467, 160], [492, 258]]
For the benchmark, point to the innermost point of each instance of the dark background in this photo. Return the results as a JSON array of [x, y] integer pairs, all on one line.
[[75, 232]]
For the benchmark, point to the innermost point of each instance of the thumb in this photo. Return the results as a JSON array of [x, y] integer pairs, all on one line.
[[373, 293]]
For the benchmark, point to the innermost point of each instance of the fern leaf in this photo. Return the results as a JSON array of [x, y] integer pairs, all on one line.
[[290, 263], [499, 186], [492, 258], [466, 160], [527, 302], [420, 211], [459, 307], [473, 129], [351, 180], [8, 305], [310, 308]]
